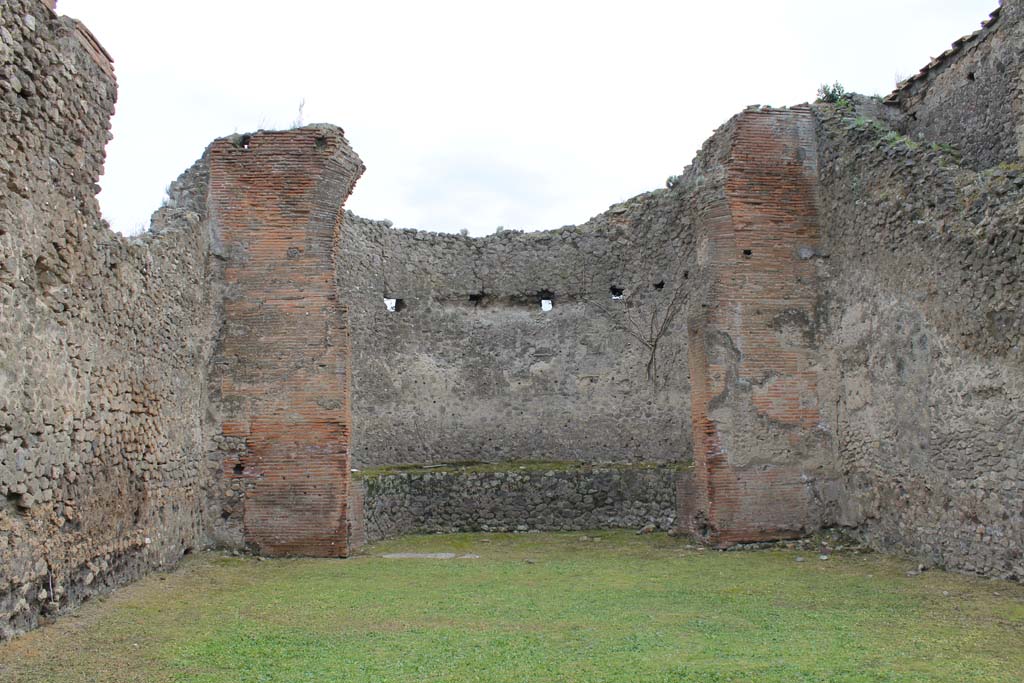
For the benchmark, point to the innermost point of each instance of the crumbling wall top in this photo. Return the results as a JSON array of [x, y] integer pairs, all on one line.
[[944, 59]]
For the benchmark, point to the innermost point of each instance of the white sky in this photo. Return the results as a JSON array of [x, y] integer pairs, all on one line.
[[478, 114]]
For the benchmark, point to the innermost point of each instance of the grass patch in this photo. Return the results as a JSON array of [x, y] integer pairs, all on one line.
[[948, 154], [539, 608]]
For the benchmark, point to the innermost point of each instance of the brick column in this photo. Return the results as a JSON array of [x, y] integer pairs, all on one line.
[[756, 425], [275, 203]]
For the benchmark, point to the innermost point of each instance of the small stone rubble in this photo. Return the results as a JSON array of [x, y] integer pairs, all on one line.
[[104, 341], [564, 499]]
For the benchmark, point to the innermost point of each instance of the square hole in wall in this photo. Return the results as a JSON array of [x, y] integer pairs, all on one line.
[[617, 293], [547, 300]]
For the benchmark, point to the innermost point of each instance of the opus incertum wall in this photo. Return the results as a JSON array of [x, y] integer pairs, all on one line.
[[972, 95], [105, 342], [470, 367]]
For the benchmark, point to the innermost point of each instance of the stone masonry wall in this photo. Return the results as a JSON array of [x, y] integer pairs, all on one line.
[[470, 368], [925, 317], [559, 498], [283, 357], [761, 448], [972, 96], [104, 341]]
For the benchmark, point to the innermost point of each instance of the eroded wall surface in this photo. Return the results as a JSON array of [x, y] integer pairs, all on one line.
[[470, 368], [924, 327], [104, 341], [972, 96]]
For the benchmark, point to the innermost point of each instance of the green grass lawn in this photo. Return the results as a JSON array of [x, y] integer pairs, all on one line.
[[538, 608]]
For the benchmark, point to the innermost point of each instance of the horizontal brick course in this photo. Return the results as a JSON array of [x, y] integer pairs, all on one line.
[[754, 380], [275, 202]]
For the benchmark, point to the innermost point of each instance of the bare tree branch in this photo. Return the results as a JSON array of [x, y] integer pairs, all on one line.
[[645, 316]]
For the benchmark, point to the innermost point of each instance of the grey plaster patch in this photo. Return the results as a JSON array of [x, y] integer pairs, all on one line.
[[472, 368]]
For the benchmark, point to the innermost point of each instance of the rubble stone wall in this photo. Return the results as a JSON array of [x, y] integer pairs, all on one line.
[[923, 324], [972, 97], [527, 498], [104, 341]]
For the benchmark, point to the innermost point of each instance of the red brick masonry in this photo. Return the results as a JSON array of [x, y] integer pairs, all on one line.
[[275, 201], [754, 401]]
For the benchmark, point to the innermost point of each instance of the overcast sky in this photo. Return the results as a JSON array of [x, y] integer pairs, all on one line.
[[477, 114]]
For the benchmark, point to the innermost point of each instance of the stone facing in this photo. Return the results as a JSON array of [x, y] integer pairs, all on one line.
[[472, 369], [104, 341], [924, 322], [972, 96], [564, 498]]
